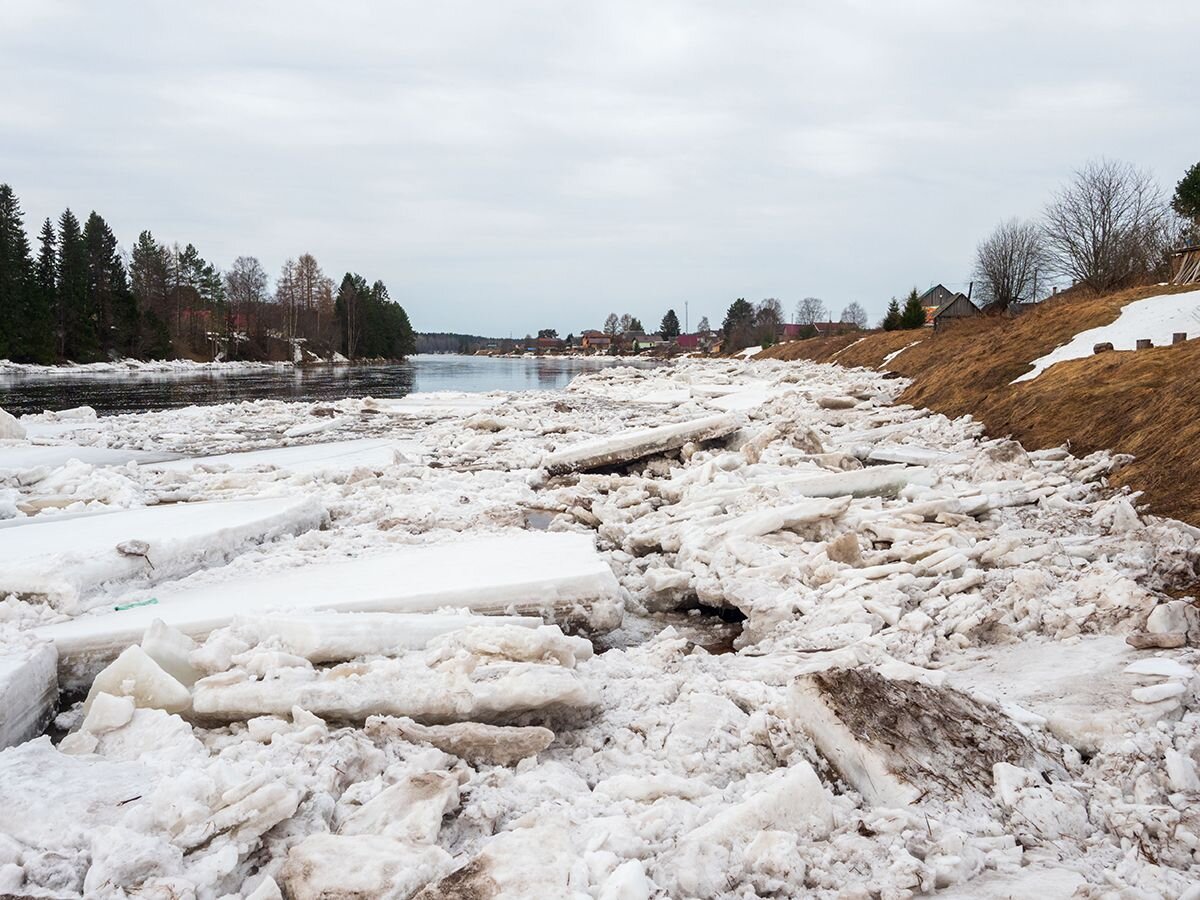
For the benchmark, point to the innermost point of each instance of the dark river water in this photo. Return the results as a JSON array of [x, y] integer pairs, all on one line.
[[121, 393]]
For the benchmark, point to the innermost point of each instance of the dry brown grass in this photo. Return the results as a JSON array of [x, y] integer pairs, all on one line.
[[1143, 403]]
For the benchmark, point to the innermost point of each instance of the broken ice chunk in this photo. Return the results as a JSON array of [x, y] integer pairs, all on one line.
[[108, 713], [10, 428], [524, 862], [28, 691], [134, 674], [170, 648], [362, 865], [411, 809], [895, 739], [394, 687], [475, 742], [337, 637], [545, 643], [1157, 692], [791, 799], [628, 446]]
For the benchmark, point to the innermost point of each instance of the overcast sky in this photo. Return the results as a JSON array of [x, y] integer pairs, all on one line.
[[506, 166]]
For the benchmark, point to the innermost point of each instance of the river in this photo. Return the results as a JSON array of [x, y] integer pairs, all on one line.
[[110, 393]]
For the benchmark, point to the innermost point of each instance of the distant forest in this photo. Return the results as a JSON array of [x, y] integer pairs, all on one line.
[[79, 298]]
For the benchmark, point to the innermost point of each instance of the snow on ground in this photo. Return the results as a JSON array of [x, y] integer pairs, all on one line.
[[866, 652], [1155, 318], [132, 366], [887, 359]]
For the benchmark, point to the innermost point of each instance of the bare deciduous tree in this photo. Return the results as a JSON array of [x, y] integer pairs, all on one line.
[[1008, 263], [810, 310], [246, 291], [703, 326], [1108, 227], [855, 314], [287, 296], [768, 316], [769, 312], [612, 324]]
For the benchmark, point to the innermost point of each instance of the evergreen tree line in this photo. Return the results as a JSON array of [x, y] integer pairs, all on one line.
[[911, 315], [78, 298]]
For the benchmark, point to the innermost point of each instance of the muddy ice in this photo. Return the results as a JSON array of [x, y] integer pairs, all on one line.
[[957, 668]]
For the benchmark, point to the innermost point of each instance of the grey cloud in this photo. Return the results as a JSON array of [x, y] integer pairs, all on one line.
[[510, 166]]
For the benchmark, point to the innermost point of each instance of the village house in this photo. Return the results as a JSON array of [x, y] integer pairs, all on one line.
[[698, 341], [648, 342], [549, 345], [942, 305], [595, 340]]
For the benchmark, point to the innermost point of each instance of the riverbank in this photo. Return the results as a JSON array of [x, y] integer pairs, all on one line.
[[929, 684], [1139, 403]]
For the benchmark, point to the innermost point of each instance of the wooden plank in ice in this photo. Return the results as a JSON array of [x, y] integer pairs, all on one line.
[[521, 572], [64, 557], [635, 444]]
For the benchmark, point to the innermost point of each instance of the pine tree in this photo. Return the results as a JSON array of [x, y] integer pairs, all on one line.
[[108, 296], [39, 339], [348, 310], [913, 315], [738, 325], [669, 327], [891, 321], [148, 282], [1186, 201], [16, 270], [76, 320]]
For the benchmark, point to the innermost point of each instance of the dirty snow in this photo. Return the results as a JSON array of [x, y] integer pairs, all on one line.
[[865, 651], [1155, 318]]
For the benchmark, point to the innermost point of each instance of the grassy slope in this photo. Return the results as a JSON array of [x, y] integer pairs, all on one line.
[[1143, 403]]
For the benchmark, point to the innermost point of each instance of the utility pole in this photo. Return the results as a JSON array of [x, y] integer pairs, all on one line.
[[686, 328]]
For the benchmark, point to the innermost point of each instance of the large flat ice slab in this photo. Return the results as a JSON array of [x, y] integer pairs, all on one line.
[[65, 558], [627, 446], [369, 453], [1156, 318], [23, 458], [522, 572], [436, 403]]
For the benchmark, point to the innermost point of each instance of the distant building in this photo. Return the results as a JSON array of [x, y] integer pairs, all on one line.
[[942, 305], [698, 341], [1185, 265], [548, 343], [649, 342], [789, 332], [595, 340]]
